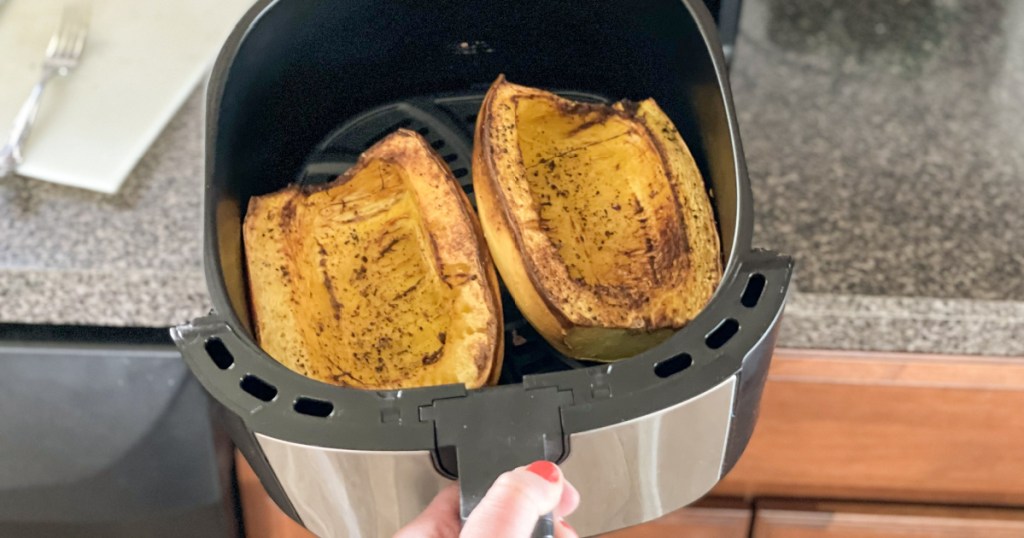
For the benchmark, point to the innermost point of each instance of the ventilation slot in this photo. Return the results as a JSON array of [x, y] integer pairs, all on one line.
[[722, 334], [219, 353], [753, 291], [258, 388], [423, 131], [313, 407], [459, 172], [451, 157], [671, 367], [437, 144]]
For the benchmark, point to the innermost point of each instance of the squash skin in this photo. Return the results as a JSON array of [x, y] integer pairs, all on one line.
[[603, 306], [379, 279]]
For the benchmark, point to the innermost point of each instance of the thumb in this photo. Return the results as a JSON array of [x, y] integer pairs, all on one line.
[[516, 501]]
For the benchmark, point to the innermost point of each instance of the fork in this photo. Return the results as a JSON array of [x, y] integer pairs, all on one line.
[[62, 56]]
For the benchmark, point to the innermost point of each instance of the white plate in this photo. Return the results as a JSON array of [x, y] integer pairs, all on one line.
[[143, 58]]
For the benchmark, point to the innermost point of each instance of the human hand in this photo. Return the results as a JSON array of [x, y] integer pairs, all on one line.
[[510, 509]]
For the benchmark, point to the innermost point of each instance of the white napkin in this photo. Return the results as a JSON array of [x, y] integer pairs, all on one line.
[[143, 58]]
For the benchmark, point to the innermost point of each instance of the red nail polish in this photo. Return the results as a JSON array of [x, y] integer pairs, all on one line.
[[544, 469]]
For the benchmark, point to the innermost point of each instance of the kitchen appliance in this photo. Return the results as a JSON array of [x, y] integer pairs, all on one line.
[[727, 18], [301, 88], [107, 435]]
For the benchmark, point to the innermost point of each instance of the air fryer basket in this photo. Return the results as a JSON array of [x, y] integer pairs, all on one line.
[[303, 86]]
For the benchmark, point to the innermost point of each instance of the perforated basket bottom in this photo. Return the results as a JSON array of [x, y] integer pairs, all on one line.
[[447, 122]]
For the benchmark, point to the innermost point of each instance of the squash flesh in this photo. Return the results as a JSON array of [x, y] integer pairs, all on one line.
[[597, 218], [373, 281], [379, 270], [584, 170]]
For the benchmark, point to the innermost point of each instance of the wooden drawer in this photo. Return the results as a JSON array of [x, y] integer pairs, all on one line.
[[858, 520], [717, 518], [262, 518]]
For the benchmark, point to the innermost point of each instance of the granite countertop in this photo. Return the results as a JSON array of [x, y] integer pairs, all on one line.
[[885, 143]]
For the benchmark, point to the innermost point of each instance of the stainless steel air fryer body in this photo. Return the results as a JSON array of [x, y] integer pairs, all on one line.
[[301, 87]]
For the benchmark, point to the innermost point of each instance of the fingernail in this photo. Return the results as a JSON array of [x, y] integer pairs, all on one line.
[[567, 525], [544, 469]]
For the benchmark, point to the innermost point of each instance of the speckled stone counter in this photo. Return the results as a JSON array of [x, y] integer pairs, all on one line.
[[885, 142], [70, 256]]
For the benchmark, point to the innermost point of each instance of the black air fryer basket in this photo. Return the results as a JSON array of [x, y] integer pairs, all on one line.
[[302, 87]]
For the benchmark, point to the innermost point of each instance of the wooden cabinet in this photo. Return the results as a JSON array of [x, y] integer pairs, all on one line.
[[261, 517], [710, 518], [896, 427], [724, 518], [865, 520]]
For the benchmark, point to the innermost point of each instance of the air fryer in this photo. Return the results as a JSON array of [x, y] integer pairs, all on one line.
[[301, 88]]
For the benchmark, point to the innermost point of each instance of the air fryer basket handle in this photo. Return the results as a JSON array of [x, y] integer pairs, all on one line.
[[545, 527], [485, 448]]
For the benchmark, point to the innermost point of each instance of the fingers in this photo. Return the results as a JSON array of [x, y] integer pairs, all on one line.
[[567, 505], [564, 530], [439, 520], [517, 499], [569, 501], [510, 509]]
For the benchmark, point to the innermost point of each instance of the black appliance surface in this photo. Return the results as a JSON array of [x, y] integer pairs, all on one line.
[[111, 441]]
